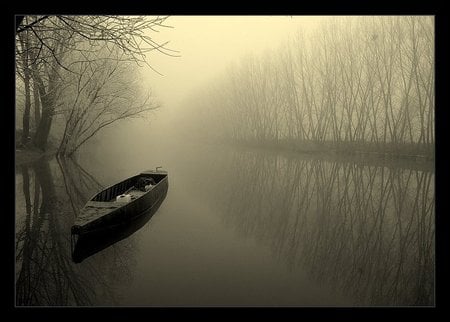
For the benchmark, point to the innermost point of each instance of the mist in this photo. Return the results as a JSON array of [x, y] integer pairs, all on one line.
[[206, 46], [299, 153], [196, 95]]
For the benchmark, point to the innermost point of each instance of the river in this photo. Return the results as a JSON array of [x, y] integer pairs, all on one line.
[[238, 227]]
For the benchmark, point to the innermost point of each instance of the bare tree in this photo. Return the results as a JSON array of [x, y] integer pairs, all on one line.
[[24, 61], [356, 83], [128, 33], [53, 41], [101, 93]]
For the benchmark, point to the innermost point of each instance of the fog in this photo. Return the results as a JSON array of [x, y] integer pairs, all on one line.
[[206, 47], [314, 82], [299, 152]]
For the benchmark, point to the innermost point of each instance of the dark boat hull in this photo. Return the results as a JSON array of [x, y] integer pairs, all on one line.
[[127, 212], [90, 243]]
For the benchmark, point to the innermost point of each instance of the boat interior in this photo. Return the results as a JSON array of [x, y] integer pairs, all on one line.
[[127, 186]]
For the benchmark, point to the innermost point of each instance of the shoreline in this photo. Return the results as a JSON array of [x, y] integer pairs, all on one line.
[[29, 156], [362, 158], [387, 150], [373, 158]]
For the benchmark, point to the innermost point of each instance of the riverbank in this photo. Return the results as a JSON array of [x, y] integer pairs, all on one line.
[[25, 156], [384, 150], [402, 157]]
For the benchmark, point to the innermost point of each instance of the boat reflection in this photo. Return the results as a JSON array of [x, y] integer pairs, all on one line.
[[86, 245]]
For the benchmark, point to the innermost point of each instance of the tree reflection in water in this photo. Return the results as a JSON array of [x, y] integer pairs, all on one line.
[[45, 273], [366, 230]]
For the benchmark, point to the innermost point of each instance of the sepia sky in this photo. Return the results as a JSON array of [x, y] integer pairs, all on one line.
[[209, 44]]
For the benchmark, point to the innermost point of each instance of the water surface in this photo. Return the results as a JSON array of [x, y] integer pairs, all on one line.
[[238, 227]]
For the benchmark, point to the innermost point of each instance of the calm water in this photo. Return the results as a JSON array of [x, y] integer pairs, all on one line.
[[237, 228]]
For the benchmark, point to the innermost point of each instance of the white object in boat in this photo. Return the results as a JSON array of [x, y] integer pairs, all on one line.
[[123, 198]]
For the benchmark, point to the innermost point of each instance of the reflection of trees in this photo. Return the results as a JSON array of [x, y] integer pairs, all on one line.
[[78, 183], [367, 231], [45, 273]]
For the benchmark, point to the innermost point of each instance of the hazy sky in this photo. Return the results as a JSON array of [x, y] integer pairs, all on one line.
[[209, 44]]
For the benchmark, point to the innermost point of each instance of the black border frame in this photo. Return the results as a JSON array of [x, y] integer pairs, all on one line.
[[226, 8]]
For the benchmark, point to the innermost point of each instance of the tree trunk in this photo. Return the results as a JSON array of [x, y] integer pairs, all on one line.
[[37, 106], [26, 113], [47, 100], [24, 42], [43, 130]]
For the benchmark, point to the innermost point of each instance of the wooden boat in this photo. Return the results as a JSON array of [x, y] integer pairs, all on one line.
[[105, 210], [89, 244]]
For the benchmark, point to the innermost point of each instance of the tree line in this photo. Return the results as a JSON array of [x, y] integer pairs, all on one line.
[[78, 75], [355, 82]]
